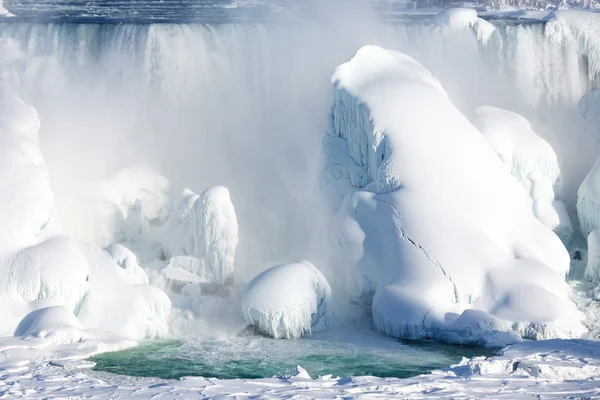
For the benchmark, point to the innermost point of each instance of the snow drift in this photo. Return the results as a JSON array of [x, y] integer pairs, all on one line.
[[444, 238], [288, 301], [40, 267]]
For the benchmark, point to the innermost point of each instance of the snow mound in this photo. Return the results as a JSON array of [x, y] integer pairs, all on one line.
[[531, 160], [464, 18], [435, 223], [205, 229], [288, 301], [128, 261], [57, 324]]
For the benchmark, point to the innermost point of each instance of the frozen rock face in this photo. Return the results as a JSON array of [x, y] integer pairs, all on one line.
[[465, 18], [531, 160], [592, 270], [588, 201], [205, 228], [436, 224], [589, 111], [40, 267], [288, 301], [57, 324]]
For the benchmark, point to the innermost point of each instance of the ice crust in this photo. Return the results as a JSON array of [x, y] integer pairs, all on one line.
[[288, 301], [437, 224], [531, 160], [40, 267], [204, 228]]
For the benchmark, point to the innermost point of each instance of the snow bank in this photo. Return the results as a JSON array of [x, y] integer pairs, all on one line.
[[464, 18], [205, 228], [531, 160], [434, 220], [288, 301]]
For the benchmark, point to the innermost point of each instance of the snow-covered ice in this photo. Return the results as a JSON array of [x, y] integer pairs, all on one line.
[[531, 160], [461, 18], [463, 251], [288, 301], [204, 227]]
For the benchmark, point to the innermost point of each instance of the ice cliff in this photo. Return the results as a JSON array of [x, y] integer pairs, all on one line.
[[443, 238]]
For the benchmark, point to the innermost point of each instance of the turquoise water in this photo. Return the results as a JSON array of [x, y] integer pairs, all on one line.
[[260, 357]]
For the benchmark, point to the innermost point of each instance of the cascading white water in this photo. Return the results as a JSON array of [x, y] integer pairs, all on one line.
[[244, 105]]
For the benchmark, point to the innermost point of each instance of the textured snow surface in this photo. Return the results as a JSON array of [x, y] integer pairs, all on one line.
[[552, 369], [531, 160], [288, 301], [204, 227], [444, 237]]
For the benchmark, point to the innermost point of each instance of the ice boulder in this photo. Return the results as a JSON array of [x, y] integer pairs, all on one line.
[[288, 301], [531, 160], [437, 224], [128, 261], [57, 324], [465, 18], [204, 228]]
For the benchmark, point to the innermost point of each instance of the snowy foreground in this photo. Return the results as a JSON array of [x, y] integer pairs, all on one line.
[[551, 369]]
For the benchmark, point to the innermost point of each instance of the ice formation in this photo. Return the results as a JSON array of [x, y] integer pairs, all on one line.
[[589, 111], [592, 270], [288, 301], [449, 243], [57, 324], [205, 229], [40, 267], [128, 261], [131, 201], [588, 201], [461, 18], [531, 160]]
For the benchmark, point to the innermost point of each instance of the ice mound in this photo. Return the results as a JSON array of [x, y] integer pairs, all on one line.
[[462, 18], [205, 229], [288, 301], [128, 261], [57, 324], [434, 222], [40, 267], [531, 160]]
